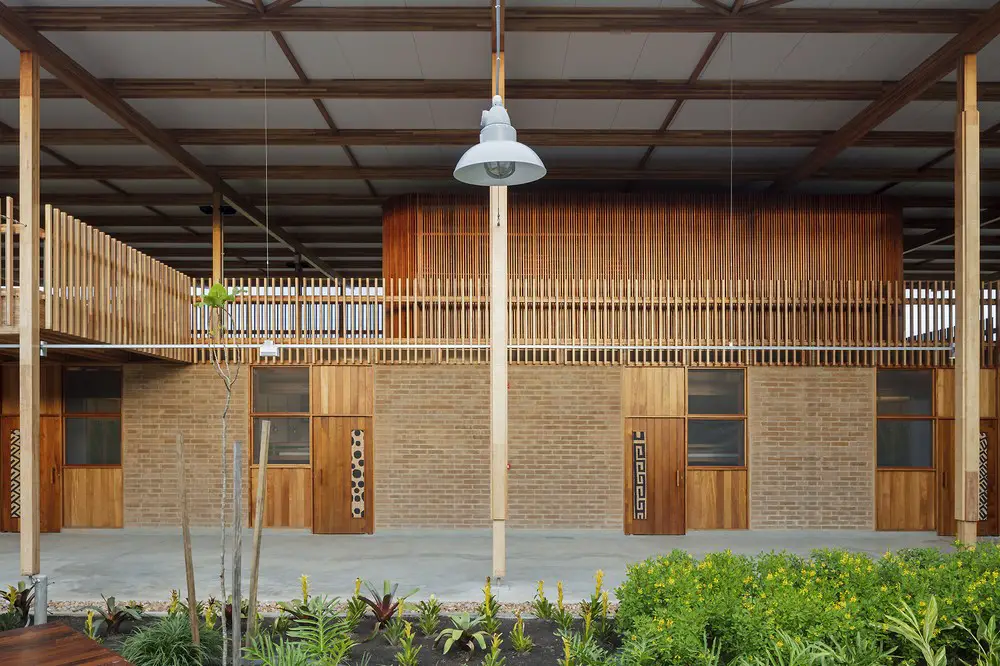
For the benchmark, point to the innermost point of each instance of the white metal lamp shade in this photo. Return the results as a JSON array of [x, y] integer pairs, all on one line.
[[498, 159]]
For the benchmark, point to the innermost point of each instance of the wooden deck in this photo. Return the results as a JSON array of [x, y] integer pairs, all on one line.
[[53, 644]]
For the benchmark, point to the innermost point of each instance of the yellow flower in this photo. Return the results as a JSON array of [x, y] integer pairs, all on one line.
[[559, 598], [541, 589], [304, 581], [357, 587], [599, 578], [884, 588]]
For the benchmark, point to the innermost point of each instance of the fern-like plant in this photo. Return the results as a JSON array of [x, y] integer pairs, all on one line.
[[429, 615], [519, 640], [409, 654], [493, 657]]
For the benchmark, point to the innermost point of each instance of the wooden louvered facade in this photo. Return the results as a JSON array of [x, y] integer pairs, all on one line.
[[643, 237]]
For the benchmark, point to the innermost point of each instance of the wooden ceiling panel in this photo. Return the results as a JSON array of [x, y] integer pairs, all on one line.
[[868, 157], [57, 186], [152, 54], [671, 157], [459, 113], [355, 188], [377, 156], [581, 114], [189, 185], [765, 115], [670, 56], [542, 54], [640, 114], [233, 113], [439, 55], [382, 114], [577, 155], [139, 155], [600, 56]]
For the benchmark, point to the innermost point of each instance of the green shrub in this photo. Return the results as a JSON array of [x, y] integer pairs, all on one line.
[[169, 643], [743, 603]]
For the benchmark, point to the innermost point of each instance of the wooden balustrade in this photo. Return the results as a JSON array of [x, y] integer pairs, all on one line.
[[97, 289], [602, 322]]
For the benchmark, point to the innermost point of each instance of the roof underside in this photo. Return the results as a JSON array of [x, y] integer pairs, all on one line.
[[370, 99]]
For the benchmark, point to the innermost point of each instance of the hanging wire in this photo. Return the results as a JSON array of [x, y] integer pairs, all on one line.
[[732, 151], [267, 197], [496, 84]]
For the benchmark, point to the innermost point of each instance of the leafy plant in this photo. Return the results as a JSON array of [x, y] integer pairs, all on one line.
[[639, 648], [326, 639], [311, 607], [384, 606], [493, 657], [114, 615], [168, 642], [429, 615], [178, 606], [408, 654], [354, 611], [584, 650], [987, 642], [394, 630], [489, 610], [563, 619], [88, 627], [784, 651], [210, 612], [11, 619], [462, 632], [919, 633], [270, 652], [520, 641], [19, 599], [862, 651], [542, 607]]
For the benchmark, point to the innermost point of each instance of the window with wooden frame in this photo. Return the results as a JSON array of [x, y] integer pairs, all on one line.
[[92, 422], [716, 424], [281, 395], [905, 428]]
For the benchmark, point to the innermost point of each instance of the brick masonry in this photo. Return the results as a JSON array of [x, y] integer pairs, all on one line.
[[160, 401], [812, 448], [432, 447]]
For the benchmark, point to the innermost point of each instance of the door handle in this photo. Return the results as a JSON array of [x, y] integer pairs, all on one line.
[[678, 478]]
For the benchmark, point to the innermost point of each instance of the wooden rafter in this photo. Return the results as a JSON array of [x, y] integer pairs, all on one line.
[[448, 137], [24, 37], [234, 4], [519, 19], [279, 6], [333, 172], [761, 5], [714, 6], [974, 37], [304, 88]]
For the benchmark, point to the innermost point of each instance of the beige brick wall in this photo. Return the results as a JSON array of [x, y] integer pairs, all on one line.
[[160, 401], [812, 443], [432, 447]]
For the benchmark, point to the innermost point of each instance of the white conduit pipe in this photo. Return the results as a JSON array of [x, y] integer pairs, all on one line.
[[404, 345]]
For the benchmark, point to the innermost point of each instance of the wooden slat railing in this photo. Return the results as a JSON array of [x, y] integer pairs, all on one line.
[[97, 289], [603, 322]]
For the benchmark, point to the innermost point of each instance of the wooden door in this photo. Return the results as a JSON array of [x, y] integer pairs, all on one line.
[[989, 498], [50, 474], [342, 478], [657, 474]]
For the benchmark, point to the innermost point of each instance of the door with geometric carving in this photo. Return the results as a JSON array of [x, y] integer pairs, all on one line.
[[49, 473], [989, 478], [657, 500], [343, 440]]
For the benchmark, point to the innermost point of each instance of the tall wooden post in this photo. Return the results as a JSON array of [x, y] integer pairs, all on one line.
[[30, 357], [217, 238], [498, 356], [968, 334]]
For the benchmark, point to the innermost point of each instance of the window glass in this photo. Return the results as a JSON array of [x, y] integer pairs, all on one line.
[[281, 390], [905, 392], [715, 443], [93, 390], [93, 441], [905, 443], [289, 444], [715, 392]]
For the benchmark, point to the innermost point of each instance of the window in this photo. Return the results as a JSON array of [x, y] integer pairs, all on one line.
[[905, 392], [718, 439], [281, 390], [715, 392], [715, 443], [289, 444], [281, 395], [905, 429], [905, 443], [92, 399]]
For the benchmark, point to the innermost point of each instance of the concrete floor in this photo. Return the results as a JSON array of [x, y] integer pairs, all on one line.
[[144, 564]]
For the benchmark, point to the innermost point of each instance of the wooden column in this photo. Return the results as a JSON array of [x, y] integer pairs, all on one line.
[[498, 349], [968, 335], [217, 238], [29, 353]]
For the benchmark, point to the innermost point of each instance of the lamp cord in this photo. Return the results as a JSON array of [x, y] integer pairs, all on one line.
[[267, 198], [732, 151]]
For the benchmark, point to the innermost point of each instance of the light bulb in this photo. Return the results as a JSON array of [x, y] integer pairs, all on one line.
[[500, 170]]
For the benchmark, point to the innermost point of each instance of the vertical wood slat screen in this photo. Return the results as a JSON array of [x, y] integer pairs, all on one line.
[[646, 236], [602, 322], [98, 289]]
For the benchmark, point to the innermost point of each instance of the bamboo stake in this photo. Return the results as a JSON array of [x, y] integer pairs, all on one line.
[[237, 552], [186, 535], [258, 523]]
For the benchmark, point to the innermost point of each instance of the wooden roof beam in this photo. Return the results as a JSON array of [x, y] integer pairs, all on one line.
[[518, 19], [585, 89], [972, 38], [23, 36], [462, 137]]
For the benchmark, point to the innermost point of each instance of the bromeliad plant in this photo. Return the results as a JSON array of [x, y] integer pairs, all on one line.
[[113, 615], [561, 614], [429, 615], [542, 607], [463, 632], [493, 657], [384, 606], [489, 610], [519, 640], [18, 600], [409, 654], [355, 608]]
